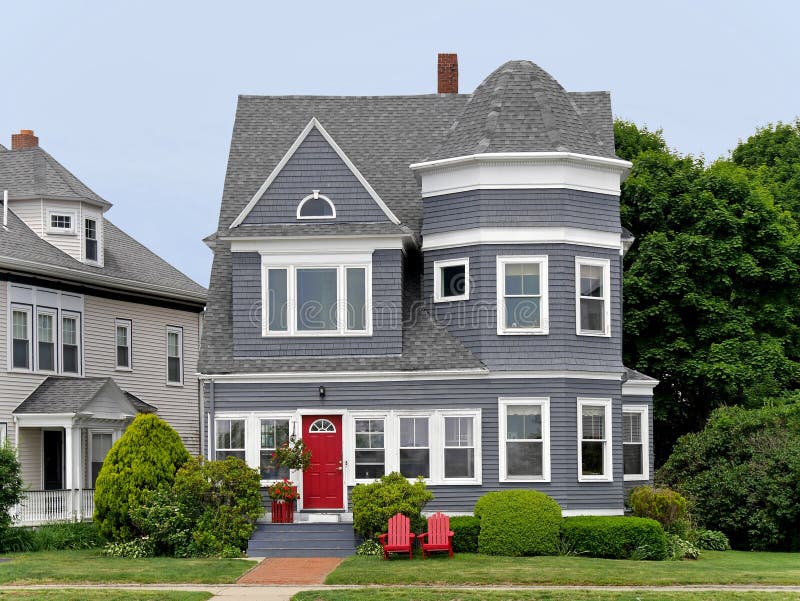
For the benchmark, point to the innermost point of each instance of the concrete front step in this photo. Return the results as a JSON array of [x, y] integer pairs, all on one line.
[[304, 539]]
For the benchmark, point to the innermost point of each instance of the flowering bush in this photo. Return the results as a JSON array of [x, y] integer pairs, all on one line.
[[293, 454], [285, 490]]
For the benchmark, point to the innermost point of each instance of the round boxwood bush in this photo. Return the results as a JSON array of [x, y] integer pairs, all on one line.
[[518, 522], [145, 458], [466, 529], [615, 537], [374, 504]]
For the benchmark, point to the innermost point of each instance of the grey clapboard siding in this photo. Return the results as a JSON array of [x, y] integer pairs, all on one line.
[[464, 394], [521, 208], [315, 166], [386, 336], [474, 321], [648, 401]]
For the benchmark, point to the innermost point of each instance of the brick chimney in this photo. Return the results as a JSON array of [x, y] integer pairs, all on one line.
[[448, 73], [24, 139]]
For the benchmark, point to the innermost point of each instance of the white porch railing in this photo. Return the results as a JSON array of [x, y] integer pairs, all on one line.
[[43, 506]]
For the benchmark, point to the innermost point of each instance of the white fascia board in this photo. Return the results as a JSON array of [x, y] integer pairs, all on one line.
[[639, 387], [394, 376], [290, 153], [47, 420], [521, 235], [321, 245], [523, 170]]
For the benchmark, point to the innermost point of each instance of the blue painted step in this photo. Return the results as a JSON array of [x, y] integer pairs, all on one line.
[[305, 539]]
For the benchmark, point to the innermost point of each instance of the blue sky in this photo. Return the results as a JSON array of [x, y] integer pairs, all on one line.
[[138, 99]]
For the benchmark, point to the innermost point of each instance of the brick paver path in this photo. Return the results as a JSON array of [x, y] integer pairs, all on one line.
[[291, 570]]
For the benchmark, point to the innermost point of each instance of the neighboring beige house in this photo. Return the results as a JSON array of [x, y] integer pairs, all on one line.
[[94, 328]]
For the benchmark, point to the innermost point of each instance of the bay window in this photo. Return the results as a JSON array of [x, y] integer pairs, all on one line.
[[594, 440], [635, 456], [593, 300], [524, 439], [522, 306]]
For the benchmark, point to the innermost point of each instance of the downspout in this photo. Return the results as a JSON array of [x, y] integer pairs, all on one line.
[[211, 428]]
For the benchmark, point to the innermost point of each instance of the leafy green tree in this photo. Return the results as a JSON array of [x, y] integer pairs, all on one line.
[[710, 288], [144, 459], [10, 486]]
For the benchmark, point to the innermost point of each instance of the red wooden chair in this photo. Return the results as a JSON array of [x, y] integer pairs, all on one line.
[[439, 536], [399, 538]]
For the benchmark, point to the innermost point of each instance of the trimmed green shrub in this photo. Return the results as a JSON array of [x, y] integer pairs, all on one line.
[[65, 536], [518, 522], [210, 510], [466, 529], [374, 504], [742, 475], [145, 458], [615, 537], [10, 486], [660, 504], [711, 540]]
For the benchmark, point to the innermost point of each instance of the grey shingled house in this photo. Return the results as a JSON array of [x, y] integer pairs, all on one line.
[[427, 284], [95, 328]]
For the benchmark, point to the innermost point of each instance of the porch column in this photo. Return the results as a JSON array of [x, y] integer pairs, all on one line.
[[69, 461]]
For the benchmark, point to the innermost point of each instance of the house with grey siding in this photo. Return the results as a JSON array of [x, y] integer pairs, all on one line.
[[429, 285], [95, 328]]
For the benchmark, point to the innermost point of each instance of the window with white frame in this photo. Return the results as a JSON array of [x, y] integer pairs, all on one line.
[[635, 457], [174, 355], [21, 350], [593, 289], [60, 222], [522, 306], [90, 239], [46, 340], [70, 343], [317, 300], [122, 335], [415, 452], [274, 433], [101, 443], [230, 438], [316, 206], [370, 449], [451, 280], [459, 447], [594, 444], [524, 439], [3, 432]]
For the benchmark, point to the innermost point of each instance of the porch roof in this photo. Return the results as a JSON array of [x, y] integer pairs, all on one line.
[[64, 395]]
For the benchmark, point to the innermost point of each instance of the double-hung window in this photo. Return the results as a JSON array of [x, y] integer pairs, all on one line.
[[635, 458], [274, 433], [594, 440], [230, 438], [123, 344], [174, 355], [21, 337], [100, 446], [524, 439], [593, 300], [90, 239], [370, 449], [317, 300], [415, 452], [46, 340], [459, 447], [70, 343], [522, 295]]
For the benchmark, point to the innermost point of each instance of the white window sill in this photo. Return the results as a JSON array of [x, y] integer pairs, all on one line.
[[60, 233], [457, 482], [176, 385], [635, 478], [123, 369], [522, 332], [523, 479], [450, 299], [595, 479], [317, 334], [595, 334]]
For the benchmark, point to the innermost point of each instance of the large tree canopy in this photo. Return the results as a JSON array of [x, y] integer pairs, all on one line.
[[710, 296]]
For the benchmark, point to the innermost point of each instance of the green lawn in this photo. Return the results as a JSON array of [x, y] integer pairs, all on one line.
[[730, 567], [570, 595], [79, 567], [101, 595]]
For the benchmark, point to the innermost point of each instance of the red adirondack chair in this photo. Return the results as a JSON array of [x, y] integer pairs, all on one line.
[[439, 536], [399, 538]]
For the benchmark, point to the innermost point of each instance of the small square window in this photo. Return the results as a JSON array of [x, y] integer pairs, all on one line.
[[61, 222], [451, 280]]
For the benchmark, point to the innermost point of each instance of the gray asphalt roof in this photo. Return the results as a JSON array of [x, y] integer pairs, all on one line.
[[61, 394], [632, 374]]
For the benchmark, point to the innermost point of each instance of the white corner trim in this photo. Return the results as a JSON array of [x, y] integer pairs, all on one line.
[[290, 153], [437, 280], [522, 170], [521, 235], [639, 387]]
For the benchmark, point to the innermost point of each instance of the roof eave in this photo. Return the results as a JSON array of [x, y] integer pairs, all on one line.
[[618, 164]]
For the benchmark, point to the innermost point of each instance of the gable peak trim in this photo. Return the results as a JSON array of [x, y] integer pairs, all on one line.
[[313, 124]]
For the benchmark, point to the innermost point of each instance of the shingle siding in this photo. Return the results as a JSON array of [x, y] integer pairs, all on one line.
[[386, 336], [315, 166], [521, 208], [474, 321], [464, 394]]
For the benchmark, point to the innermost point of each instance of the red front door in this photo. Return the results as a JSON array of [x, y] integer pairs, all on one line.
[[322, 481]]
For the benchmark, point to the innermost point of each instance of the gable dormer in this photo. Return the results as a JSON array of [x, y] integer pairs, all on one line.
[[51, 201]]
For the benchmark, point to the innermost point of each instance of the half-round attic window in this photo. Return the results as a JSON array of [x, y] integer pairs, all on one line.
[[316, 206]]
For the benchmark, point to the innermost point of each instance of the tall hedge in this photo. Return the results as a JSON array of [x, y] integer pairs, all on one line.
[[518, 522], [615, 537], [145, 458]]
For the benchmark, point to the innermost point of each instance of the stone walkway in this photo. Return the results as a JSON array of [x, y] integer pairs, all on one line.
[[291, 570]]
